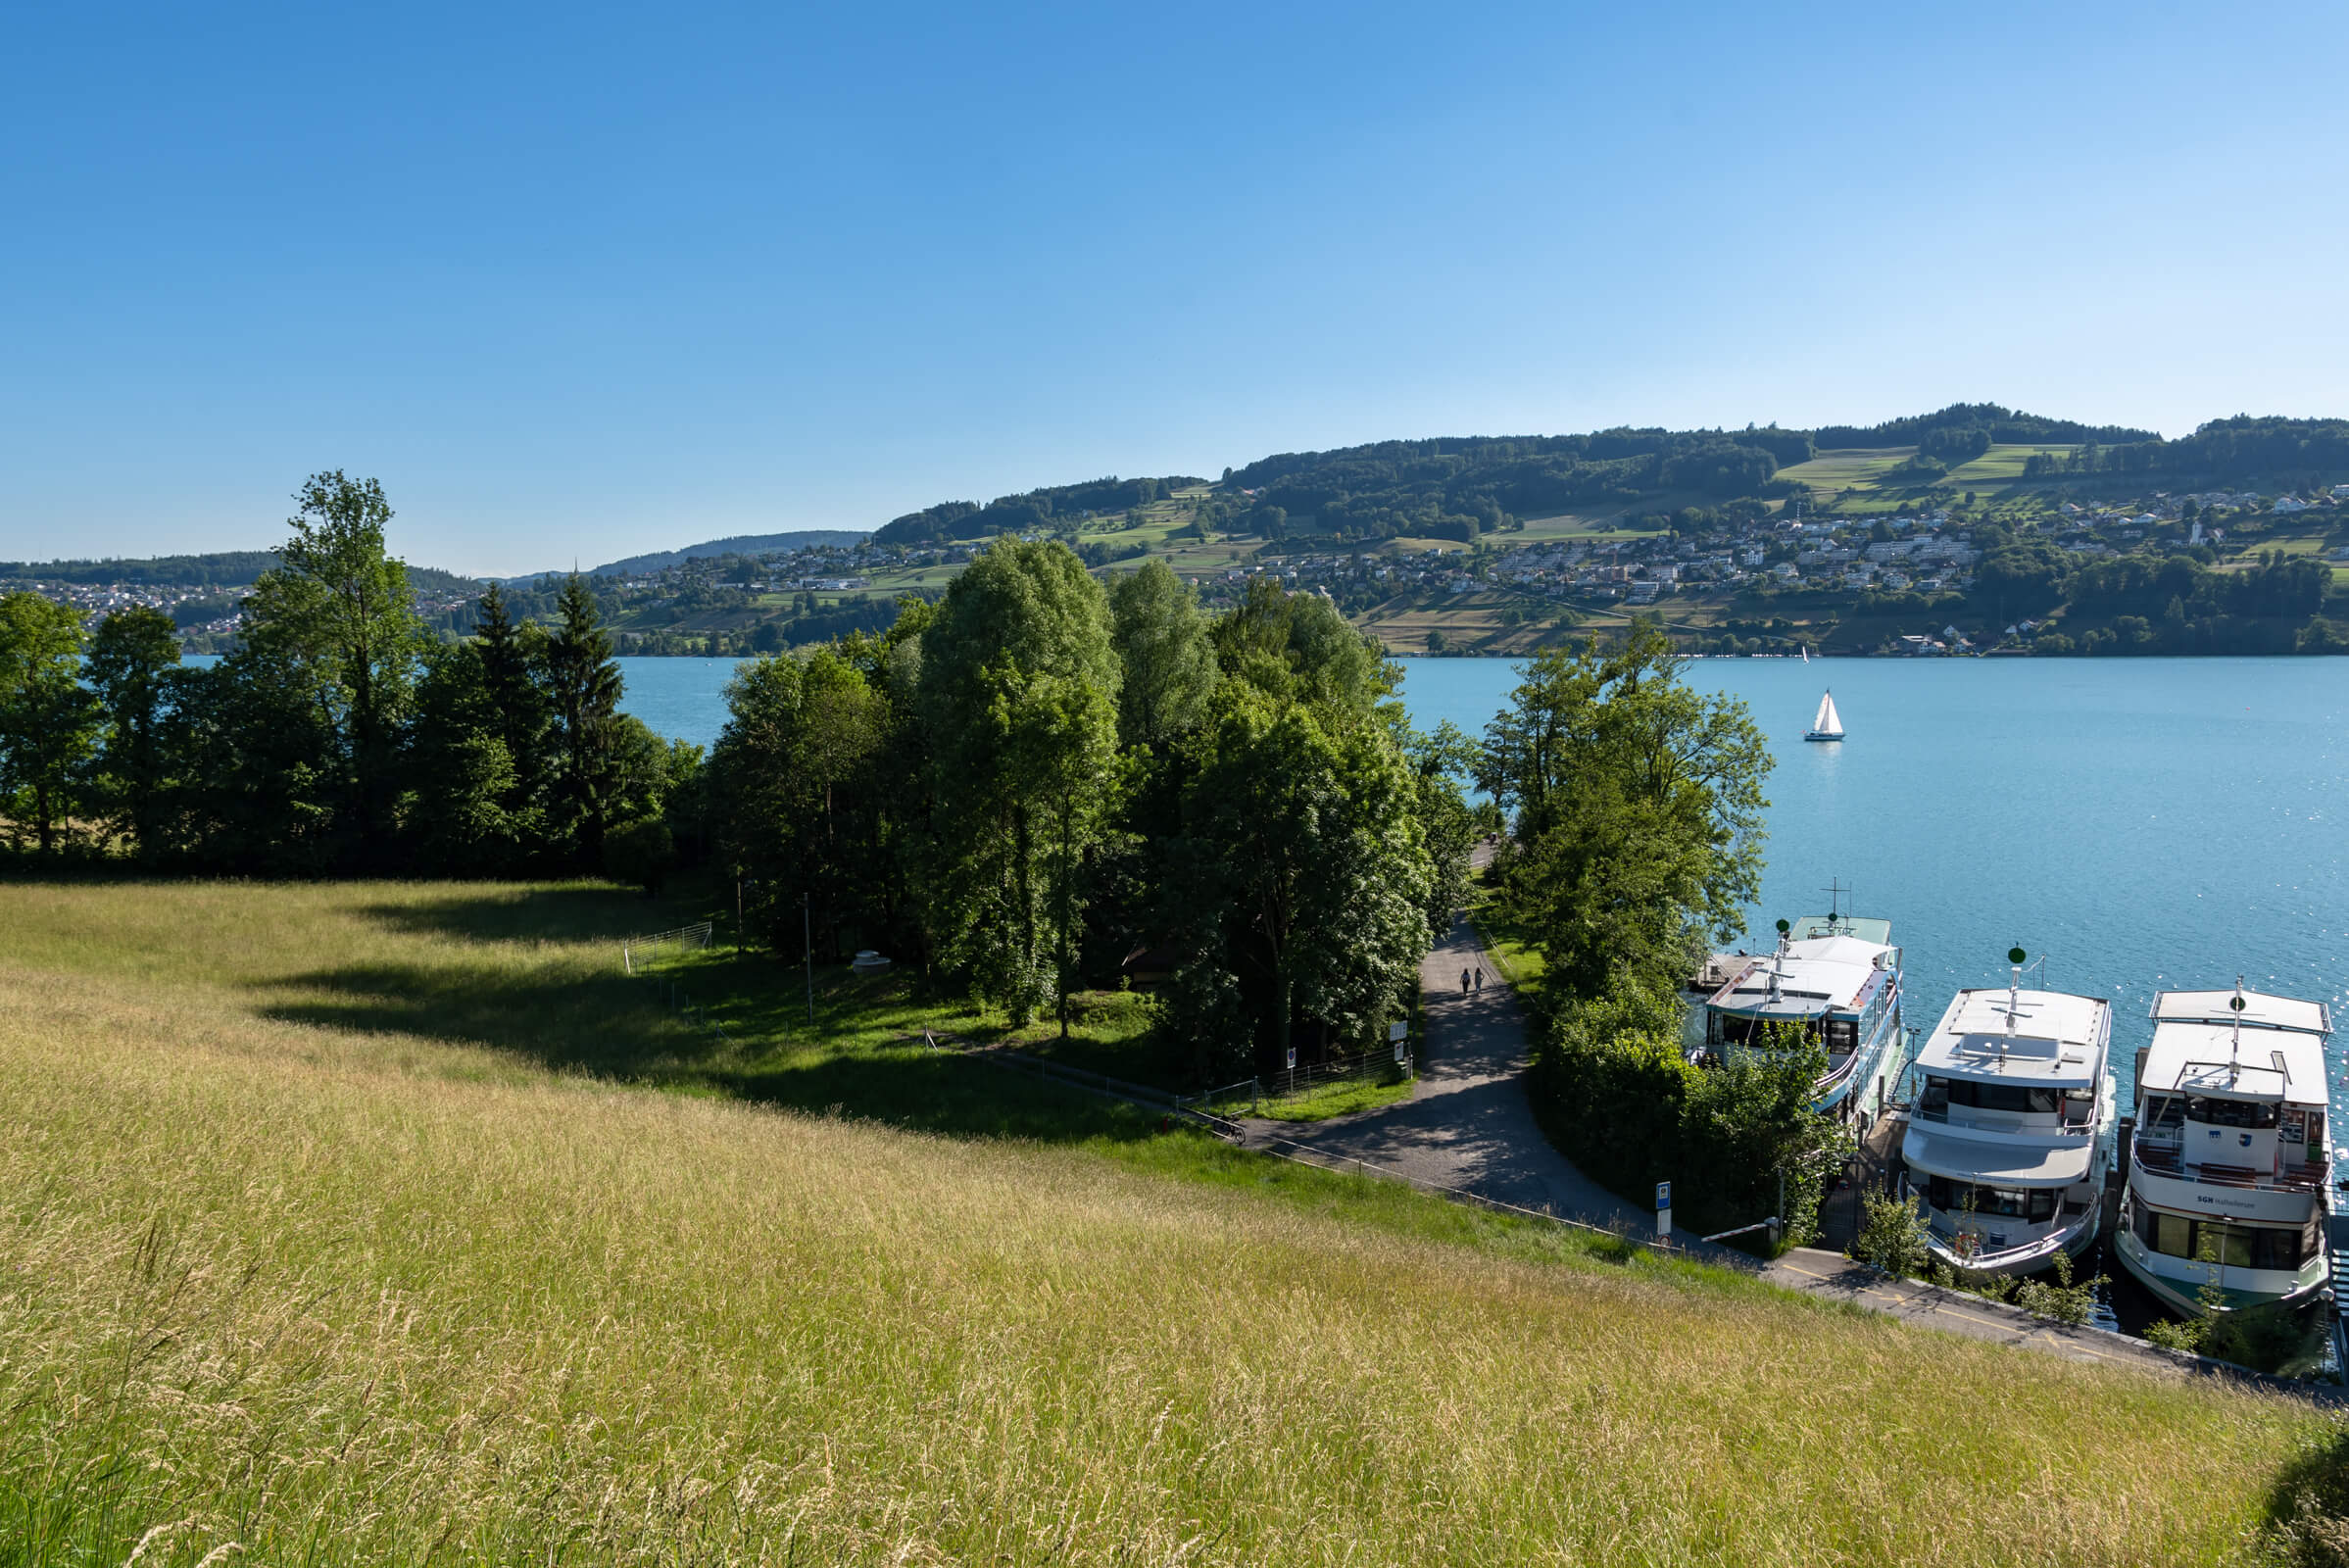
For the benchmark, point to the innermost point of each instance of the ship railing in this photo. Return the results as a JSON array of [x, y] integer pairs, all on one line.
[[2068, 1129], [1836, 1071], [1946, 1227], [2167, 1160]]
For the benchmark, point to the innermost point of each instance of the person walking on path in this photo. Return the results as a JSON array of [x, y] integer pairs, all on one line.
[[1463, 982], [1480, 977]]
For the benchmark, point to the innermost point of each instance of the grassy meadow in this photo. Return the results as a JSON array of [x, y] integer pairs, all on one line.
[[389, 1223]]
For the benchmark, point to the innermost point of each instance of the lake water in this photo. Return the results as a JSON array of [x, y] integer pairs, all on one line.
[[2144, 823]]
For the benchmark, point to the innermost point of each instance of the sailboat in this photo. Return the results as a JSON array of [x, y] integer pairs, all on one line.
[[1828, 724]]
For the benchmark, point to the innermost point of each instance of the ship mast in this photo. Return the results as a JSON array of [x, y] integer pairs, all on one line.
[[2234, 1040]]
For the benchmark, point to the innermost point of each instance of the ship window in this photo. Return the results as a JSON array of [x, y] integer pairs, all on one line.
[[2236, 1246], [2231, 1112], [2013, 1097], [2275, 1249], [1935, 1100], [1733, 1030], [1842, 1037], [2167, 1111], [2037, 1204]]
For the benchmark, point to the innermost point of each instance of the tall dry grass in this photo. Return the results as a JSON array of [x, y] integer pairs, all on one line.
[[341, 1293]]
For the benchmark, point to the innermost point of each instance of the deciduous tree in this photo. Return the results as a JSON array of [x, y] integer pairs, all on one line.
[[129, 658], [1019, 688], [48, 719], [338, 617]]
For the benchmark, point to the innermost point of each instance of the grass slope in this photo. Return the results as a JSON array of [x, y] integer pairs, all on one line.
[[315, 1236]]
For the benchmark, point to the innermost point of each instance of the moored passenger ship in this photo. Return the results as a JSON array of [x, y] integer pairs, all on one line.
[[1838, 978], [2229, 1170], [2007, 1143]]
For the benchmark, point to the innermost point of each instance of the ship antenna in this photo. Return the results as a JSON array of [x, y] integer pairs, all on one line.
[[1834, 888], [1776, 960]]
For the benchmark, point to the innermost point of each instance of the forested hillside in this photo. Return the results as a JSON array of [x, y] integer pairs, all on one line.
[[1037, 509], [1455, 488], [222, 568]]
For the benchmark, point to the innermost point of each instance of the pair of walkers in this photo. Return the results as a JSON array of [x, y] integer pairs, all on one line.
[[1479, 972]]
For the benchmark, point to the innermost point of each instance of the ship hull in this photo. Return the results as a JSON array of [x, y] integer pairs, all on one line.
[[2182, 1292], [2031, 1260]]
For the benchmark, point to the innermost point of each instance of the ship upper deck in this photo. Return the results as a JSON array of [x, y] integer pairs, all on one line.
[[1808, 978], [2055, 1039], [2219, 1062]]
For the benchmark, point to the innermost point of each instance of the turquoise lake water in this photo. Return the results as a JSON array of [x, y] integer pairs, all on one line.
[[2144, 823]]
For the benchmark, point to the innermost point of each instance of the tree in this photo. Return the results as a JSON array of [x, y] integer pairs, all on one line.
[[1441, 763], [462, 773], [1638, 809], [253, 788], [1018, 692], [128, 660], [338, 617], [1749, 1133], [514, 679], [1163, 650], [1297, 646], [794, 770], [1299, 883], [583, 687], [48, 720], [640, 853]]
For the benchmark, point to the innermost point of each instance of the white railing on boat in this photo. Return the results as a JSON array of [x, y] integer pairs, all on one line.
[[2156, 1157]]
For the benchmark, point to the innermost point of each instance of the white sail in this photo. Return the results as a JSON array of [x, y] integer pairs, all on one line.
[[1829, 721]]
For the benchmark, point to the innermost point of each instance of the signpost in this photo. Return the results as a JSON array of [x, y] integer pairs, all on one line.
[[1399, 1033], [1663, 1208]]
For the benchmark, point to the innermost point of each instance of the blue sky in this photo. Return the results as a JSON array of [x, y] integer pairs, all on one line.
[[584, 281]]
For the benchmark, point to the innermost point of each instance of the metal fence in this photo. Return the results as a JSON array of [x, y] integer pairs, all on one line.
[[1292, 1081], [685, 939], [673, 997]]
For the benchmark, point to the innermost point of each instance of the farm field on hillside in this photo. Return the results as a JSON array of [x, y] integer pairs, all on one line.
[[333, 1238], [1846, 468], [2001, 464]]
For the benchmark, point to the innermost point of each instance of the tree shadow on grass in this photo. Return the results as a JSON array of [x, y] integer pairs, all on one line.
[[533, 912], [2308, 1506], [628, 1030]]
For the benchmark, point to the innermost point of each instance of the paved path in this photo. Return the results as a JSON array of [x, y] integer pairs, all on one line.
[[1468, 1123]]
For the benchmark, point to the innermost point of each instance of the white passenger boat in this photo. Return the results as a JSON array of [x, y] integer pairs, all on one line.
[[1827, 724], [2007, 1144], [1838, 978], [2229, 1169]]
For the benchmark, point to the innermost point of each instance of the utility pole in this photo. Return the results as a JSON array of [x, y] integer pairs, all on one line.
[[807, 936], [738, 911]]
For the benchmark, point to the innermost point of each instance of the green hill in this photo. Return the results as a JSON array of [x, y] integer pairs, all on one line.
[[225, 568], [335, 1233]]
